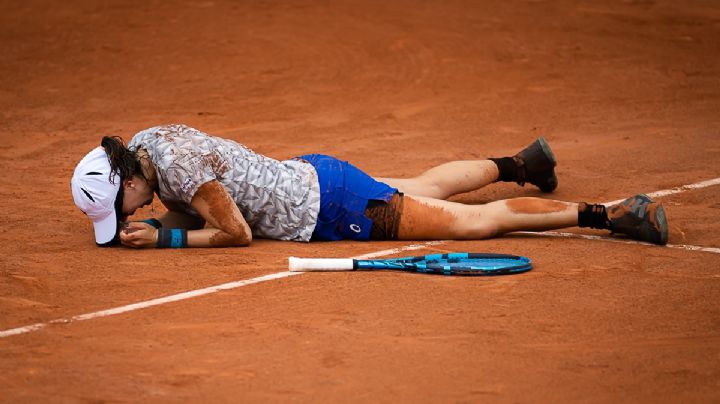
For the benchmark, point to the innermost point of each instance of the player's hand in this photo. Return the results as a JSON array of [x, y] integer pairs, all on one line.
[[139, 235]]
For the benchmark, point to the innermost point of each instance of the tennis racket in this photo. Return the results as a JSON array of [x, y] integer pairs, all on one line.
[[467, 264]]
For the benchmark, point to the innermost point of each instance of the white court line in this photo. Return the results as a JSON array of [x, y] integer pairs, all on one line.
[[663, 192], [676, 190], [618, 240], [278, 275], [194, 293]]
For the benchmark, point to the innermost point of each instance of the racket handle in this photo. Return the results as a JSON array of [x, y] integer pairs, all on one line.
[[320, 264]]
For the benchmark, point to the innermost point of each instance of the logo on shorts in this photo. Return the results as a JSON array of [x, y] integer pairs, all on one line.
[[355, 228]]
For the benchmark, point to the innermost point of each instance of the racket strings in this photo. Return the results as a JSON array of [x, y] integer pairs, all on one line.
[[472, 263], [453, 264]]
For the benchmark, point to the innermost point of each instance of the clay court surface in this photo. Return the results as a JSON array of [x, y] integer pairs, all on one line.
[[626, 92]]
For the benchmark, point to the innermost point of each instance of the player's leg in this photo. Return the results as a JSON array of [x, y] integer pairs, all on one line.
[[448, 179], [425, 218], [534, 164]]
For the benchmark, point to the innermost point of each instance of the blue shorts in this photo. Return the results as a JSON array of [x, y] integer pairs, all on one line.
[[344, 194]]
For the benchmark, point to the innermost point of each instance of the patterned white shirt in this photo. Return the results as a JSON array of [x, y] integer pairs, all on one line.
[[278, 199]]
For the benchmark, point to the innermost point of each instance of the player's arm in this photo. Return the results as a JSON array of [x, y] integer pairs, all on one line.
[[215, 206], [229, 228], [148, 230], [175, 218]]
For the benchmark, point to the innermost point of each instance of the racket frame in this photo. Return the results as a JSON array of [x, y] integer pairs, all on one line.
[[516, 264]]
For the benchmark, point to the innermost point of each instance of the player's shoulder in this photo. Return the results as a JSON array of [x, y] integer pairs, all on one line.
[[171, 135], [168, 132]]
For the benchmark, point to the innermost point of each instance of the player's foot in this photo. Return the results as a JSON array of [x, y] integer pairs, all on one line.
[[640, 218], [536, 165]]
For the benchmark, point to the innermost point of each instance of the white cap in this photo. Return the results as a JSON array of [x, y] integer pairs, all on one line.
[[94, 193]]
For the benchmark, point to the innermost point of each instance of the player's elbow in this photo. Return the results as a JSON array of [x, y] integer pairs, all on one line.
[[241, 236], [230, 240], [243, 240]]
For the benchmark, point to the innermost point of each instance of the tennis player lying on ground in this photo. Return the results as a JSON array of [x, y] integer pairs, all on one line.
[[219, 193]]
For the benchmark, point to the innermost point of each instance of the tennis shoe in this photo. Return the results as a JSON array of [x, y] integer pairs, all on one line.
[[536, 165], [640, 218]]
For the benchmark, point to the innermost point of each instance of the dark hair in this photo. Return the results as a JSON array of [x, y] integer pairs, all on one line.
[[123, 161]]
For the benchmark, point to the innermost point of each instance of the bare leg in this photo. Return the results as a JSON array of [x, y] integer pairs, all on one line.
[[447, 179], [426, 218]]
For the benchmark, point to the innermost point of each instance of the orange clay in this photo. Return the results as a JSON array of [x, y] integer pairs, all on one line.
[[535, 205], [420, 221]]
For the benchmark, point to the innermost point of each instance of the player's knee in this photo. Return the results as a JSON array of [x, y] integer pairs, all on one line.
[[488, 230], [427, 187], [479, 230]]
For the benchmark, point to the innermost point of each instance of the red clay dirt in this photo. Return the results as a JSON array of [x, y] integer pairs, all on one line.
[[626, 92]]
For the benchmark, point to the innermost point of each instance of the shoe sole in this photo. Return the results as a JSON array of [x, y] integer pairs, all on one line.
[[546, 149], [660, 218], [662, 222]]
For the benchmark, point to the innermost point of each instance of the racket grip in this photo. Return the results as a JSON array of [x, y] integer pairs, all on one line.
[[320, 264]]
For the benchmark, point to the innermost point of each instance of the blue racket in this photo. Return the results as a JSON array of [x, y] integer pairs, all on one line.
[[466, 264]]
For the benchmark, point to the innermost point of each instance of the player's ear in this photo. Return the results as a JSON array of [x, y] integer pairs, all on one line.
[[128, 183]]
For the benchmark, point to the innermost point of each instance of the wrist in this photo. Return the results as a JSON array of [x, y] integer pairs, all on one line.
[[171, 238], [153, 222]]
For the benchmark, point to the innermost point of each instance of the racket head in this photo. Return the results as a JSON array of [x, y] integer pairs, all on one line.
[[462, 264]]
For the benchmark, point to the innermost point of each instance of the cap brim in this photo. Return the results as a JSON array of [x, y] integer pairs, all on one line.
[[105, 229]]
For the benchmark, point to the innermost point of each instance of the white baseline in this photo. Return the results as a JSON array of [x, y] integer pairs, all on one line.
[[194, 293], [278, 275]]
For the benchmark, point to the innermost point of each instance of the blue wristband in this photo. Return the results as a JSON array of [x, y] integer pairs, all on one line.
[[153, 222], [172, 238]]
